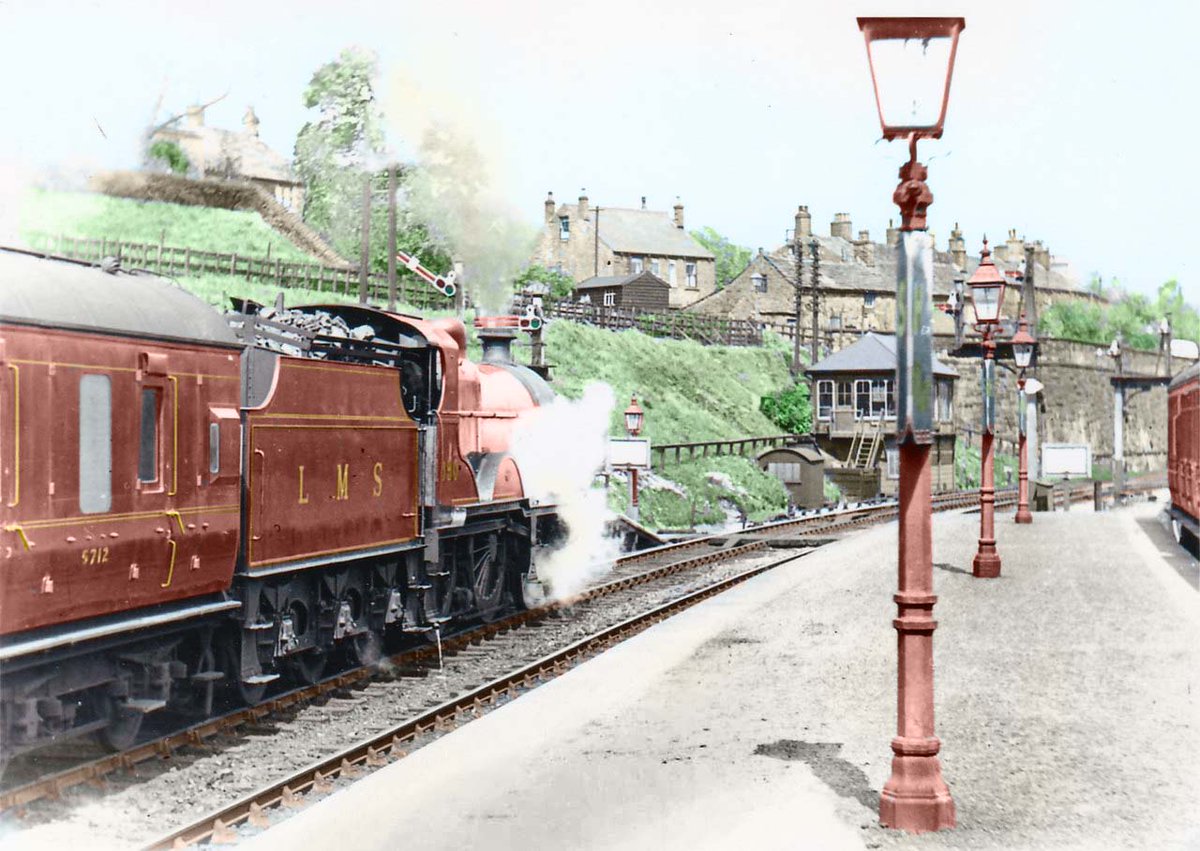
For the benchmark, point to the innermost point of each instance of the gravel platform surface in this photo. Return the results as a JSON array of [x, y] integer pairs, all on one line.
[[1067, 690]]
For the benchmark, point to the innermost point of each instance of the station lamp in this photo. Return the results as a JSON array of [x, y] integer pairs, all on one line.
[[1022, 344], [633, 417], [987, 289]]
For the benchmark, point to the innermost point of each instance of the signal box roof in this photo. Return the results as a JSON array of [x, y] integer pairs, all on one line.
[[872, 353]]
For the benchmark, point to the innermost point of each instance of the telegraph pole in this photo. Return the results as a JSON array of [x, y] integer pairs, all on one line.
[[365, 256], [798, 251], [391, 237], [815, 274]]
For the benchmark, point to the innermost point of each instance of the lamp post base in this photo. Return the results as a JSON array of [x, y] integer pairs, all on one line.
[[1023, 515], [987, 563], [916, 798]]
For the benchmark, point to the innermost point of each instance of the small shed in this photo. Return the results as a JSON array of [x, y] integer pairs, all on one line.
[[642, 291], [801, 468]]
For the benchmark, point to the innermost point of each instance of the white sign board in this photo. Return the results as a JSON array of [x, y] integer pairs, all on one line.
[[628, 452], [1071, 460]]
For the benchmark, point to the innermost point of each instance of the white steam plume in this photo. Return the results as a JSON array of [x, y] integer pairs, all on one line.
[[454, 190], [559, 450]]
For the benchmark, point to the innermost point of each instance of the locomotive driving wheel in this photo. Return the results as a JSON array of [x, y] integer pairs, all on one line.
[[307, 666], [487, 575]]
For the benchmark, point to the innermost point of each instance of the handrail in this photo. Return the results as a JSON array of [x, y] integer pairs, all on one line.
[[16, 438], [174, 436]]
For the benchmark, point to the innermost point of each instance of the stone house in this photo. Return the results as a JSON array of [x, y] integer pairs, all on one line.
[[642, 291], [858, 282], [213, 152], [854, 417], [584, 241]]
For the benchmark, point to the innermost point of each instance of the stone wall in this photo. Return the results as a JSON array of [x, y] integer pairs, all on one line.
[[1077, 404]]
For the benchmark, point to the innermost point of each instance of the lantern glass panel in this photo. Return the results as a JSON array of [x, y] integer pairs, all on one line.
[[1022, 354], [633, 422], [986, 301], [910, 77]]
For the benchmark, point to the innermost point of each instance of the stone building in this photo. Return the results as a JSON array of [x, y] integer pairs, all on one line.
[[586, 241], [858, 281], [213, 152]]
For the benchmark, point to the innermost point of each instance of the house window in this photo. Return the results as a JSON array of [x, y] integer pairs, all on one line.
[[869, 300], [610, 299], [824, 399], [845, 397], [635, 265], [564, 227], [893, 462], [760, 283], [654, 267], [148, 442], [95, 444], [690, 273], [671, 272]]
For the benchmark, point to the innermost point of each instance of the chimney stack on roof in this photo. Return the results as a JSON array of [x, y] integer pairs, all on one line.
[[250, 122], [893, 235], [803, 224], [583, 204], [864, 249], [549, 205], [841, 226], [958, 249], [1041, 254], [195, 116], [678, 213]]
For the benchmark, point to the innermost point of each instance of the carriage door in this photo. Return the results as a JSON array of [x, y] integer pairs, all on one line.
[[157, 477]]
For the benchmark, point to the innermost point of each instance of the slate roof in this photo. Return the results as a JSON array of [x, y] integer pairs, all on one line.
[[252, 156], [610, 281], [650, 232], [871, 353]]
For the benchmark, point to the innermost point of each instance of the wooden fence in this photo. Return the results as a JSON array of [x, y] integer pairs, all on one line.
[[737, 446], [709, 330], [178, 260]]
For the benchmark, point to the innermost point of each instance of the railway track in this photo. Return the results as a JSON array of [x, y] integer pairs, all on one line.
[[640, 569]]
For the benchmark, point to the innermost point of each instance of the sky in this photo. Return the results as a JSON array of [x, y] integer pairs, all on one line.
[[1068, 121]]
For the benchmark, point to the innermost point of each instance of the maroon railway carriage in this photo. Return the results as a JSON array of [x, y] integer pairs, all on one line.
[[1183, 454], [197, 506]]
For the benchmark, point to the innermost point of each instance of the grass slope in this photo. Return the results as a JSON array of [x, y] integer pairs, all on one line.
[[90, 215]]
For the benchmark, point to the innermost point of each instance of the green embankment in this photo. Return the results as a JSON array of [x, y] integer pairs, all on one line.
[[46, 213], [967, 469]]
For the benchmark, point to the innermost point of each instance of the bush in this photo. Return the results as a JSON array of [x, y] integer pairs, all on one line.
[[170, 154], [789, 409]]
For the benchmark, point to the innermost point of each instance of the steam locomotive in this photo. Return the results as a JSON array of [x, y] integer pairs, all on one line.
[[199, 507]]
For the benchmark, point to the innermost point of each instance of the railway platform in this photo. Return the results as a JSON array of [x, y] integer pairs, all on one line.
[[1067, 699]]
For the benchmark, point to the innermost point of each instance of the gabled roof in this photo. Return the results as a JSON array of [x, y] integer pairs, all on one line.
[[611, 281], [651, 232], [246, 152], [871, 353]]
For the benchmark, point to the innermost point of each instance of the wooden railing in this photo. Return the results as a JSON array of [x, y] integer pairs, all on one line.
[[180, 260], [736, 446], [709, 330]]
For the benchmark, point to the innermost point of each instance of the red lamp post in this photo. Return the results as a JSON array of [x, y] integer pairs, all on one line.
[[633, 425], [911, 62], [987, 295], [1022, 345]]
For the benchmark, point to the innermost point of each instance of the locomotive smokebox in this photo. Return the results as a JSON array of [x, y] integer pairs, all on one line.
[[496, 334]]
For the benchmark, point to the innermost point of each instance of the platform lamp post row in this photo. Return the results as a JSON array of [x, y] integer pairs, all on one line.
[[911, 62], [634, 417]]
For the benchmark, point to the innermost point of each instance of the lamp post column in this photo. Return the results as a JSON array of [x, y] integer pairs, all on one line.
[[1023, 515], [987, 561], [633, 495]]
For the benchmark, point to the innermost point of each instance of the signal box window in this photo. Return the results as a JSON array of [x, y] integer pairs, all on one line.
[[148, 444], [95, 444], [824, 399]]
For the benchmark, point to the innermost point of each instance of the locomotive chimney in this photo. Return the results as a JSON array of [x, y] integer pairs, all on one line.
[[496, 334]]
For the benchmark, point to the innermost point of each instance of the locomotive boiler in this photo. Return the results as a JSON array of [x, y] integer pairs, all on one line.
[[199, 507]]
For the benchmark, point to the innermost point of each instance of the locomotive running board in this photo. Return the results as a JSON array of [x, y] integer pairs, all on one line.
[[79, 636]]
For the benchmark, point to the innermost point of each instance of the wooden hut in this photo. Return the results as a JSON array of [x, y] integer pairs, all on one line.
[[642, 291], [801, 468]]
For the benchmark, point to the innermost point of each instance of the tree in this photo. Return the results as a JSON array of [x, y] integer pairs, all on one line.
[[789, 409], [561, 285], [171, 155], [731, 259], [344, 142]]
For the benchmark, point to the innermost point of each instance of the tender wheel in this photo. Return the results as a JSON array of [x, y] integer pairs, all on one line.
[[366, 649], [307, 666], [239, 693]]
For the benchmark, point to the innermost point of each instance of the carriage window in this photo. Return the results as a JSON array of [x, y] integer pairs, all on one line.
[[214, 448], [95, 444], [148, 447]]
